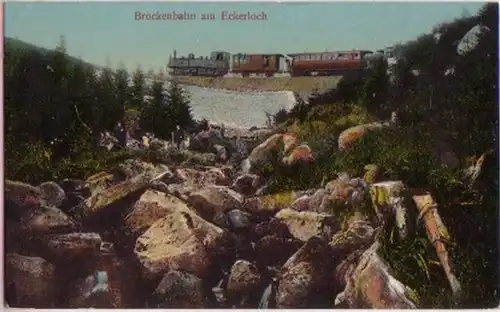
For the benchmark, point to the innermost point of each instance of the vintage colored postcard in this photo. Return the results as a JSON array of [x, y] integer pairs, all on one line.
[[251, 155]]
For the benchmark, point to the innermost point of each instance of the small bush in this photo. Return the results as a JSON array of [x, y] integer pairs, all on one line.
[[280, 116]]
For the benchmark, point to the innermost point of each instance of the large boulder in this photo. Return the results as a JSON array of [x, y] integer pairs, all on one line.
[[178, 290], [54, 193], [303, 279], [273, 243], [21, 198], [179, 241], [31, 282], [151, 207], [205, 141], [263, 153], [304, 225], [100, 202], [73, 246], [245, 284], [372, 286], [350, 136], [47, 220], [301, 154], [247, 184], [213, 202]]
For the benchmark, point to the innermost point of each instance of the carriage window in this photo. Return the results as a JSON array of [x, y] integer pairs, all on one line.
[[307, 57], [266, 60], [325, 57]]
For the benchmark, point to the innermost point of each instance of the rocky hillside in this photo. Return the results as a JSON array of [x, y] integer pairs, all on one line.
[[187, 227], [294, 84], [382, 194]]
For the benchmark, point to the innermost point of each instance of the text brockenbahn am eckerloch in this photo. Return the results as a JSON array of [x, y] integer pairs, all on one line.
[[188, 16]]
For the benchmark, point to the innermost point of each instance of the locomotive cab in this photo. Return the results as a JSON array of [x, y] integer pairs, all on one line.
[[220, 56]]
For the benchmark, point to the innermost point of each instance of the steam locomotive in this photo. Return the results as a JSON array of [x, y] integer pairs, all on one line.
[[215, 66], [296, 64]]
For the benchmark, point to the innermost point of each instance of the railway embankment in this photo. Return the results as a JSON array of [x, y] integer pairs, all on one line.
[[294, 84]]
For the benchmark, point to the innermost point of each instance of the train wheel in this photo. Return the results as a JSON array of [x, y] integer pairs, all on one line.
[[269, 74], [245, 75], [306, 73]]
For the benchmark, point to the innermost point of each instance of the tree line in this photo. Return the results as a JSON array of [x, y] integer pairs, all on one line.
[[56, 107]]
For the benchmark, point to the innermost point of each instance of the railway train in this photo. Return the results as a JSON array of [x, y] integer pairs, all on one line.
[[221, 63]]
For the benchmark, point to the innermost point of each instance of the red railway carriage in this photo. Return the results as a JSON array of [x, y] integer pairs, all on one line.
[[327, 63], [264, 64]]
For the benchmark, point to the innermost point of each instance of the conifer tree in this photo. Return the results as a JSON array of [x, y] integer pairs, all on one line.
[[122, 92], [178, 102], [139, 89], [106, 97], [155, 115]]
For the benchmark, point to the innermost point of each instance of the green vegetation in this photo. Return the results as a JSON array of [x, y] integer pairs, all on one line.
[[452, 100], [56, 106], [164, 112]]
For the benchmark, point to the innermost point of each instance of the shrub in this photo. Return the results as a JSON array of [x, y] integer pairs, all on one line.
[[280, 116]]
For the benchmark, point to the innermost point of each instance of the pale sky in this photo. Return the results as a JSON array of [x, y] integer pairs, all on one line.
[[97, 32]]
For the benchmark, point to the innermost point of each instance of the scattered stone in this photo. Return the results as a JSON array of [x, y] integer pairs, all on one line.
[[303, 279], [238, 219], [215, 176], [301, 203], [214, 201], [178, 290], [54, 194], [68, 247], [247, 184], [244, 284], [304, 225], [221, 153]]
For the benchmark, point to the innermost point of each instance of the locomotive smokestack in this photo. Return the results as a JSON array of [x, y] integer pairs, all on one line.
[[175, 54]]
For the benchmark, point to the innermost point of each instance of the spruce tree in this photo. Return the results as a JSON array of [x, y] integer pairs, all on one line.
[[106, 96], [123, 100], [139, 89], [178, 102], [122, 89], [155, 115]]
